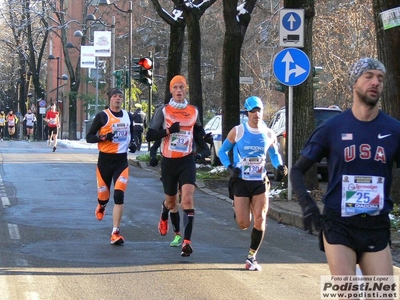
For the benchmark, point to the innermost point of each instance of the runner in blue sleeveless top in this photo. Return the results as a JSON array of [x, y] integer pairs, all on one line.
[[251, 142], [361, 144]]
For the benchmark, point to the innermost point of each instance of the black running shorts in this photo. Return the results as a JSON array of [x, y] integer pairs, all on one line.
[[362, 233], [52, 130], [249, 188], [176, 171]]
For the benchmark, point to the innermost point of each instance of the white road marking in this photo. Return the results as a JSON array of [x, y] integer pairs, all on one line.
[[13, 231]]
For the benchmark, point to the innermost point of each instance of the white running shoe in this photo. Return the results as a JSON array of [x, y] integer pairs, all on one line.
[[252, 265]]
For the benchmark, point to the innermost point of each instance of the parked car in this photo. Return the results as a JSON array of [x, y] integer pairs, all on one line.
[[278, 125], [215, 127]]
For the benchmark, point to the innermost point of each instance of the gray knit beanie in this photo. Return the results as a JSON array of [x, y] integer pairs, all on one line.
[[363, 65], [114, 91]]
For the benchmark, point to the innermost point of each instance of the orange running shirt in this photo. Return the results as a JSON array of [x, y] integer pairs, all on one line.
[[122, 135], [179, 144]]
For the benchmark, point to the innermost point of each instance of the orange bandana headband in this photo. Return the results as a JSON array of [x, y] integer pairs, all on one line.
[[177, 79]]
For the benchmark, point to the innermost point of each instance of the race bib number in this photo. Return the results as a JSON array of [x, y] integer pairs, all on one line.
[[362, 195], [253, 168], [180, 142], [120, 131]]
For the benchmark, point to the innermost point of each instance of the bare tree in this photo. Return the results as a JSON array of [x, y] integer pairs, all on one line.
[[342, 33], [27, 22]]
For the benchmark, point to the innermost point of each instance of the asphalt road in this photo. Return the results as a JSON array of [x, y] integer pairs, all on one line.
[[52, 247]]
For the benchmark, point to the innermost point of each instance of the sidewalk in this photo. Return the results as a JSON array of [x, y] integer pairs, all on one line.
[[283, 211]]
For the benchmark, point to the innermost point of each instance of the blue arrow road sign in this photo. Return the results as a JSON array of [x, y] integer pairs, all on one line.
[[291, 66], [291, 21]]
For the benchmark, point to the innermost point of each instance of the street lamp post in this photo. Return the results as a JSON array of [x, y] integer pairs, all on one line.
[[63, 77], [129, 11]]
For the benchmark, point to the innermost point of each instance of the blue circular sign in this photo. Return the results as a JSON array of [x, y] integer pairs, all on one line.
[[291, 21], [291, 66], [42, 103]]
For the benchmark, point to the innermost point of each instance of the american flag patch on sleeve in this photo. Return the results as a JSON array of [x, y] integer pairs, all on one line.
[[347, 136]]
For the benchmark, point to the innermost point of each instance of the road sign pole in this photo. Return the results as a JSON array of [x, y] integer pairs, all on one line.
[[290, 141], [291, 67]]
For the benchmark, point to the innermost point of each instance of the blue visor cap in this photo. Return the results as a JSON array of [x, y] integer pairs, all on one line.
[[253, 102]]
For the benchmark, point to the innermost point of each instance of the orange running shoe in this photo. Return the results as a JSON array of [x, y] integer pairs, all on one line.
[[117, 238], [100, 212], [186, 248], [163, 227]]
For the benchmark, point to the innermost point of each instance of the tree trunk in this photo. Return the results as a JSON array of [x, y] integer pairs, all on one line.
[[388, 43], [175, 52], [235, 31], [192, 18], [176, 43]]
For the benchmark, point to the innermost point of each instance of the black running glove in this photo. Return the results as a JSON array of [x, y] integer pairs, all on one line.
[[311, 214], [132, 147], [283, 170], [208, 138], [153, 162], [175, 127], [106, 137], [234, 172]]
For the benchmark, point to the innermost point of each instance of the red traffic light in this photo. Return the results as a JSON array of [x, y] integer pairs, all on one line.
[[146, 63]]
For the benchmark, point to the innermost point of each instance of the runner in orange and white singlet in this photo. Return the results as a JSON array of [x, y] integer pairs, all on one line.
[[178, 126], [12, 121], [112, 129]]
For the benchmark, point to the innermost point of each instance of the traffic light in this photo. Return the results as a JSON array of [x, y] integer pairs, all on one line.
[[143, 70], [118, 77], [316, 72], [280, 87]]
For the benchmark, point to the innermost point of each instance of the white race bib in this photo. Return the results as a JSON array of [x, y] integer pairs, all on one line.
[[362, 194], [120, 131], [180, 141], [253, 168]]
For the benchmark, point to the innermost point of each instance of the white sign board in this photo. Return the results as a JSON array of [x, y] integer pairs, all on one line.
[[291, 28], [102, 43], [390, 18], [246, 80], [42, 110], [88, 58]]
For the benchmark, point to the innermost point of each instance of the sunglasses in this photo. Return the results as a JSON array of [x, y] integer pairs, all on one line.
[[254, 110]]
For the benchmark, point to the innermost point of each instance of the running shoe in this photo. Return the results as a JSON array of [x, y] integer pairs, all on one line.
[[177, 241], [252, 264], [163, 227], [100, 212], [186, 248], [117, 238], [54, 149]]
